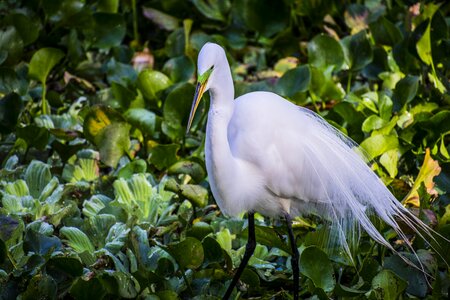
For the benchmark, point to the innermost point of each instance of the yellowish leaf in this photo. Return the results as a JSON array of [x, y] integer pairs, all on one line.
[[430, 168]]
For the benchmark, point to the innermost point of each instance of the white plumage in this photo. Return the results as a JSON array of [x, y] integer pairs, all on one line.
[[267, 155]]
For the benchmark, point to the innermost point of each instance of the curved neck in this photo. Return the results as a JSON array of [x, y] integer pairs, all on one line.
[[217, 147]]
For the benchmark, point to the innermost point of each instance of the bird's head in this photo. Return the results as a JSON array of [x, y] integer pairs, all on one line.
[[207, 62]]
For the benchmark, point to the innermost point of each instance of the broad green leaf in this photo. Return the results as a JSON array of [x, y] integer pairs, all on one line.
[[88, 289], [323, 86], [163, 156], [389, 160], [67, 265], [133, 167], [11, 83], [294, 81], [40, 243], [109, 30], [358, 51], [8, 225], [386, 285], [77, 239], [378, 144], [42, 62], [213, 9], [200, 230], [10, 108], [385, 32], [27, 28], [151, 82], [161, 19], [197, 194], [373, 122], [40, 284], [417, 282], [107, 129], [405, 90], [180, 68], [188, 253], [315, 265], [192, 168], [37, 177], [176, 111], [11, 46], [424, 50], [143, 119], [264, 16], [423, 46], [324, 51]]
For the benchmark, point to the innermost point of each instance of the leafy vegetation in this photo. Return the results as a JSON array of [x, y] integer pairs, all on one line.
[[104, 196]]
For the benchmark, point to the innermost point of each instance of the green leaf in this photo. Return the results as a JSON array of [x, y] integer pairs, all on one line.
[[161, 19], [42, 62], [133, 167], [10, 108], [264, 16], [389, 160], [212, 249], [27, 29], [37, 177], [423, 46], [387, 286], [107, 130], [11, 46], [315, 265], [213, 9], [151, 82], [373, 122], [197, 194], [199, 231], [88, 289], [40, 284], [294, 81], [405, 91], [417, 282], [176, 111], [34, 136], [192, 168], [385, 32], [109, 30], [324, 51], [163, 156], [358, 51], [378, 144], [11, 83], [180, 68], [142, 119], [77, 239], [40, 243], [67, 265], [188, 253]]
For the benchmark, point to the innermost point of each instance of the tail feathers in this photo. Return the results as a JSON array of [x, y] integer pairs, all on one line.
[[352, 194]]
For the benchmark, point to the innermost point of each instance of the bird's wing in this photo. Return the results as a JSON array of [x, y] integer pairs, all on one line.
[[304, 159]]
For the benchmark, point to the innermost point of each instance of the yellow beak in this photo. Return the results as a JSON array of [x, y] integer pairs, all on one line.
[[197, 97]]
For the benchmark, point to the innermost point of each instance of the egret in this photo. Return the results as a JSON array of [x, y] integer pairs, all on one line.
[[265, 154]]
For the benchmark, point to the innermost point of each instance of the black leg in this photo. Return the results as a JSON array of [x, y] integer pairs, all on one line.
[[295, 255], [249, 249]]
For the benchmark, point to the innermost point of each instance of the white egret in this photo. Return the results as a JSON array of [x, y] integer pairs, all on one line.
[[267, 155]]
